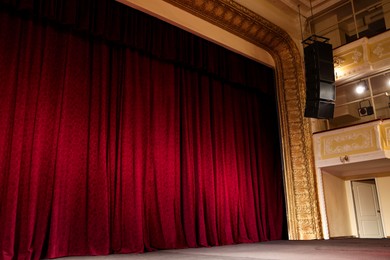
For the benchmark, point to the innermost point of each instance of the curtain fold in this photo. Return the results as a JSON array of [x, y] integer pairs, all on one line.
[[226, 163], [105, 148], [115, 22]]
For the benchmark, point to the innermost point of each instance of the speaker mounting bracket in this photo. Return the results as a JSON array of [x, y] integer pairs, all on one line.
[[315, 38]]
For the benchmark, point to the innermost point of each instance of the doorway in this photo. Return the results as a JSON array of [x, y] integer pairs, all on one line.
[[367, 210]]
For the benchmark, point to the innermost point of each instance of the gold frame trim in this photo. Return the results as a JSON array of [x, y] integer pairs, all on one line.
[[303, 215]]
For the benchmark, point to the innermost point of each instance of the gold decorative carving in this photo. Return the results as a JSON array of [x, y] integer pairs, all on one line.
[[379, 48], [388, 138], [356, 56], [303, 215], [338, 61], [367, 55], [357, 141], [385, 135], [378, 51]]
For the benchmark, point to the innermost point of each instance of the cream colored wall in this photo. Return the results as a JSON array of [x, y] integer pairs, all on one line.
[[337, 207], [383, 189], [340, 206]]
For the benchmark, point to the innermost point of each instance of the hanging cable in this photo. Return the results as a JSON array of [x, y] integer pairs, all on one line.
[[311, 12], [300, 22]]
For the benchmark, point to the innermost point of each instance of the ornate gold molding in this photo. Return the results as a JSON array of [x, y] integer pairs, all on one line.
[[366, 55], [303, 214], [353, 141], [385, 134]]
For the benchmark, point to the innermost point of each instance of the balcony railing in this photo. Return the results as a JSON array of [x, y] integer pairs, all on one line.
[[351, 20]]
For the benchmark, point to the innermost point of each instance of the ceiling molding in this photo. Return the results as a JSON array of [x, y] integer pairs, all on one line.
[[236, 19], [308, 8]]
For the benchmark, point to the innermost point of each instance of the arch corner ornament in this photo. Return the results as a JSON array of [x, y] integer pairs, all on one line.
[[303, 215]]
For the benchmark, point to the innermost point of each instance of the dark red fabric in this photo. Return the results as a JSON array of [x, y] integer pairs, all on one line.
[[115, 22], [108, 149]]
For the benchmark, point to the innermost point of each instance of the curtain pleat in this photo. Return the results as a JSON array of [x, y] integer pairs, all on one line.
[[105, 148], [117, 23]]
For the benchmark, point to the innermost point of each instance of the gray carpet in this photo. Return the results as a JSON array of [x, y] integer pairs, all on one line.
[[291, 250]]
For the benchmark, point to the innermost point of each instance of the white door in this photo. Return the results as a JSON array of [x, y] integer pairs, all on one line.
[[367, 209]]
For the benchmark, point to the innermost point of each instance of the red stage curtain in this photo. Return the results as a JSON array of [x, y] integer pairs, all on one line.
[[107, 149]]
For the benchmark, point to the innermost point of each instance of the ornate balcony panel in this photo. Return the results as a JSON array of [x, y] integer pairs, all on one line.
[[362, 57]]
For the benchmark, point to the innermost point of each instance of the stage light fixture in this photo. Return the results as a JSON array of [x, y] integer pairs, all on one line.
[[361, 88]]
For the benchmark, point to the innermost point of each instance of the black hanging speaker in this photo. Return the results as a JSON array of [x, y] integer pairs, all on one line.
[[320, 81], [319, 109]]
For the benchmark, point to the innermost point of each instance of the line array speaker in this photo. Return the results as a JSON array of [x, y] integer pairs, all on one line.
[[320, 81]]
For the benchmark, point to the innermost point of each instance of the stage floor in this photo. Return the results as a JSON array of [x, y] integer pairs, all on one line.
[[332, 249]]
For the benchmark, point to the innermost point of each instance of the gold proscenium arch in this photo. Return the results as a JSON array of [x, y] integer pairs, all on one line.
[[303, 214]]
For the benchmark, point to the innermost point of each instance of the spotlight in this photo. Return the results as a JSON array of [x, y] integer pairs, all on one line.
[[387, 78], [365, 110], [360, 89]]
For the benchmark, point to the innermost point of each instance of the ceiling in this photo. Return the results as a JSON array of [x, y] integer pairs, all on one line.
[[307, 8], [360, 170], [285, 13]]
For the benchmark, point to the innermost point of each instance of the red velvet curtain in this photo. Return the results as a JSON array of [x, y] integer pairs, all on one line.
[[108, 149]]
